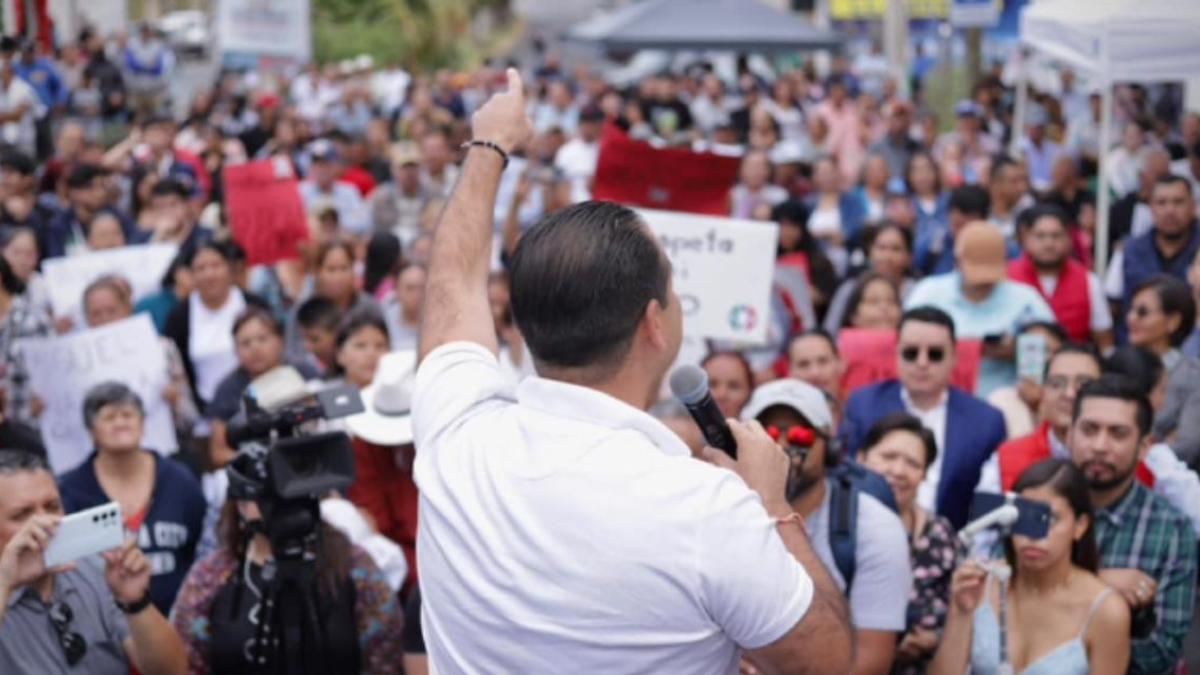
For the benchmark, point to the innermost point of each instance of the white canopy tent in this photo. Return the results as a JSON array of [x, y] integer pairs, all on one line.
[[1113, 41]]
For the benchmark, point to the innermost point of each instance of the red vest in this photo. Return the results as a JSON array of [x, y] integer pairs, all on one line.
[[1019, 454], [1071, 301]]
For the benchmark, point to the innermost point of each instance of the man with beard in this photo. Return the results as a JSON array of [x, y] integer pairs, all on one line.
[[1072, 291], [878, 589], [1168, 248], [1147, 548]]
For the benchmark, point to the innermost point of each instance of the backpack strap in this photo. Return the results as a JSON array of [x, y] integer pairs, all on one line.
[[843, 526]]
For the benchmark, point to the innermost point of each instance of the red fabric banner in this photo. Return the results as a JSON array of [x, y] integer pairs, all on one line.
[[637, 174], [266, 214], [870, 357]]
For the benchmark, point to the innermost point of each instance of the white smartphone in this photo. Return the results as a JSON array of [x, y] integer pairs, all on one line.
[[1031, 356], [88, 532]]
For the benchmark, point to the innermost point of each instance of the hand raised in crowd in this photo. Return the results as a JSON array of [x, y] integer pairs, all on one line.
[[22, 560], [1138, 588], [761, 463], [503, 120], [127, 572], [967, 587]]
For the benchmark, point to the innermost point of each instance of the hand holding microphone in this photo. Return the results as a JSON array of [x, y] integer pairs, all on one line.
[[744, 448]]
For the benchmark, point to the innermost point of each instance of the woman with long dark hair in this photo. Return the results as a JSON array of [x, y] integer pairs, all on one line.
[[220, 602], [1053, 616]]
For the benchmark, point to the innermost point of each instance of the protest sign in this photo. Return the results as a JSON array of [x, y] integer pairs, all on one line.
[[266, 214], [870, 357], [63, 368], [674, 179], [722, 272], [142, 266]]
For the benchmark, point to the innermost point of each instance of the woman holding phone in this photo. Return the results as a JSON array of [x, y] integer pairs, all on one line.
[[1054, 616]]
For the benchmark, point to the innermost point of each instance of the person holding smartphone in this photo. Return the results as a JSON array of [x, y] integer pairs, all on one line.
[[91, 616], [1053, 615]]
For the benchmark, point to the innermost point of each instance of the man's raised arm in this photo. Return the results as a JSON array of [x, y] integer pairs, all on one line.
[[456, 306]]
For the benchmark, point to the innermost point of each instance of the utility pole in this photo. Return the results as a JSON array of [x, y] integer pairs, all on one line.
[[895, 41]]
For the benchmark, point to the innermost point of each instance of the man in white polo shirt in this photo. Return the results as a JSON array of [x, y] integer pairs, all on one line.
[[562, 529]]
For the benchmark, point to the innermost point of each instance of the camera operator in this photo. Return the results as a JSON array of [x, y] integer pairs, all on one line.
[[218, 606], [65, 618]]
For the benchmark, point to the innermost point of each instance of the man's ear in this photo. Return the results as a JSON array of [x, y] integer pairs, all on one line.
[[654, 324]]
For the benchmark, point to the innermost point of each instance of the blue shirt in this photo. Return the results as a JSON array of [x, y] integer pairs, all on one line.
[[1010, 306], [45, 80], [170, 530]]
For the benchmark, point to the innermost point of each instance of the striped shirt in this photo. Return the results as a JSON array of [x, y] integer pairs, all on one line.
[[1142, 531]]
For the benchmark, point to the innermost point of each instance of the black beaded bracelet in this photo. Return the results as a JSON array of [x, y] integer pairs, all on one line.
[[135, 606], [488, 144]]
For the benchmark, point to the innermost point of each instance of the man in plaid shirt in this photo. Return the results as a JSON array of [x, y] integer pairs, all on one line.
[[1147, 548]]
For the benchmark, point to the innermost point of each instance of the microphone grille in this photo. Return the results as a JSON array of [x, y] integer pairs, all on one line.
[[689, 383]]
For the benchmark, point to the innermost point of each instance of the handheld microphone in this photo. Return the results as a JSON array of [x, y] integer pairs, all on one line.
[[1002, 516], [689, 384]]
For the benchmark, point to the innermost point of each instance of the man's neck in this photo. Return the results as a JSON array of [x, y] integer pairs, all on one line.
[[1054, 269], [625, 386], [1170, 246], [1103, 499], [810, 500], [926, 401]]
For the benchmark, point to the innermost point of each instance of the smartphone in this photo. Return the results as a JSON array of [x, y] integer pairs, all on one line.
[[1033, 519], [993, 338], [95, 530], [1031, 356]]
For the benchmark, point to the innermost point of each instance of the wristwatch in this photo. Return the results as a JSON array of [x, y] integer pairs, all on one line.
[[135, 606]]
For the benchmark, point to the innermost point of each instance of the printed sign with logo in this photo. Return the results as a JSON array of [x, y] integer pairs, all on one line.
[[722, 272]]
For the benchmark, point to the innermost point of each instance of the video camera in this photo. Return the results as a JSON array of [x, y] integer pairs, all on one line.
[[281, 466]]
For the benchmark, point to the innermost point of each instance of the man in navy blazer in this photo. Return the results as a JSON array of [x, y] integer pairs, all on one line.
[[967, 430]]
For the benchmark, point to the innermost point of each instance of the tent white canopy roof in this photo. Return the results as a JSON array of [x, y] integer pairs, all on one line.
[[1118, 40]]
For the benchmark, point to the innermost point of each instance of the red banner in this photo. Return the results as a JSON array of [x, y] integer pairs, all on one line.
[[265, 212], [870, 357], [637, 174]]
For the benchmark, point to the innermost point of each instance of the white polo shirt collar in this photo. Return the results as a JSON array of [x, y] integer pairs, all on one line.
[[572, 401]]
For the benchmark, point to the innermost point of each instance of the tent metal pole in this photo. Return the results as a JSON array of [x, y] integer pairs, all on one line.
[[1022, 102], [1102, 196]]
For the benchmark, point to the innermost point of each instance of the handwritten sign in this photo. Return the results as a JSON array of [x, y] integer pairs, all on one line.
[[266, 214], [723, 269], [62, 370], [870, 357], [143, 266]]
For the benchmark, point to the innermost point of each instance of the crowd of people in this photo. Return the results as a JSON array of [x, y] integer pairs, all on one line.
[[941, 238]]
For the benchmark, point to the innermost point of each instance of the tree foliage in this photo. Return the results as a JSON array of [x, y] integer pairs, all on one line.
[[425, 33]]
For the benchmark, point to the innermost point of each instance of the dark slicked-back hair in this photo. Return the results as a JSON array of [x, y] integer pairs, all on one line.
[[581, 279]]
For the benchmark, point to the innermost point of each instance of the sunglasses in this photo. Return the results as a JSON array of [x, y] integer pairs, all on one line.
[[72, 643], [934, 354]]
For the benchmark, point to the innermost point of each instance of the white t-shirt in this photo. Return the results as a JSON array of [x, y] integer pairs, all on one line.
[[210, 341], [577, 159], [1100, 318], [21, 133], [882, 574], [562, 530]]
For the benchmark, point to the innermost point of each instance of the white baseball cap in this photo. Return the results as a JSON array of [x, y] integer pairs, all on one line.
[[800, 396]]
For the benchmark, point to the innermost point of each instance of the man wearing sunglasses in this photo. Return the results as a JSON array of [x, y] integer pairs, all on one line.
[[967, 429], [91, 616]]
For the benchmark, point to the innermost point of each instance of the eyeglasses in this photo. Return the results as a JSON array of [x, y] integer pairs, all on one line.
[[1060, 382], [934, 354], [72, 643]]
